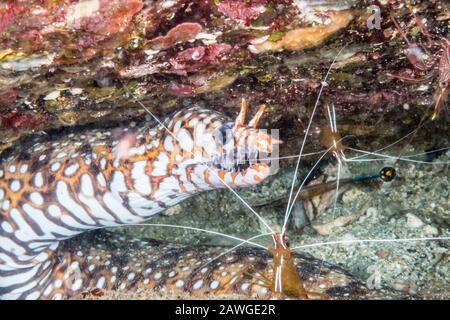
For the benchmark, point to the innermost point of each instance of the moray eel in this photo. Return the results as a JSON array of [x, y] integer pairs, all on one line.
[[52, 189], [55, 189]]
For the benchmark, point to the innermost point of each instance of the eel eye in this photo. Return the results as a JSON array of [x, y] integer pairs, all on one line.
[[224, 134], [443, 84], [387, 174]]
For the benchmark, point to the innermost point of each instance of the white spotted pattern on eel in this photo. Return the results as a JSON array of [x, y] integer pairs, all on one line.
[[120, 263]]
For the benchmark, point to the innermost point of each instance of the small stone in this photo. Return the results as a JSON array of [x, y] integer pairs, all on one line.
[[177, 209], [382, 253], [316, 201], [406, 286], [400, 286], [76, 91], [299, 215], [430, 230], [52, 95], [372, 212], [412, 221], [392, 209], [423, 87], [330, 227]]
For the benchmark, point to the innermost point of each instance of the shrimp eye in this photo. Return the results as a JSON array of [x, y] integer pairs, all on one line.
[[387, 174], [288, 244], [224, 134]]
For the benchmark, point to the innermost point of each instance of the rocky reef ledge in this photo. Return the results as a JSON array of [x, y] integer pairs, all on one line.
[[69, 62]]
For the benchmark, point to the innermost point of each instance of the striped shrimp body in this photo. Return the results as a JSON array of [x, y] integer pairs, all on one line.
[[286, 280], [52, 190]]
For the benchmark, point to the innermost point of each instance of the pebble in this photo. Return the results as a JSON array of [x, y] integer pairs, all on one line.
[[177, 209], [412, 221], [76, 91], [299, 215], [372, 212], [430, 230], [382, 253], [52, 95], [328, 228]]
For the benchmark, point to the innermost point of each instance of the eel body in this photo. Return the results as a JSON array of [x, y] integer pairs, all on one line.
[[128, 264], [52, 189]]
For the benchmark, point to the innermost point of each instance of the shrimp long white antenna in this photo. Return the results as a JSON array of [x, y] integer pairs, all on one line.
[[290, 157], [425, 153], [201, 230], [337, 153], [353, 159], [412, 133], [390, 145], [358, 241], [203, 163], [235, 247], [323, 84], [384, 157], [303, 183]]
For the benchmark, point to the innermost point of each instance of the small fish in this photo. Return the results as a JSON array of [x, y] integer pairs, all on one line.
[[386, 174]]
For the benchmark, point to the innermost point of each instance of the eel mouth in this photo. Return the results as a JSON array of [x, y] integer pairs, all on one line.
[[242, 147]]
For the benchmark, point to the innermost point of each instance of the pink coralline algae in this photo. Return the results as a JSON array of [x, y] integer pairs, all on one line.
[[7, 97], [74, 30], [8, 12], [181, 90], [140, 70], [195, 58], [181, 33], [241, 11], [21, 121]]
